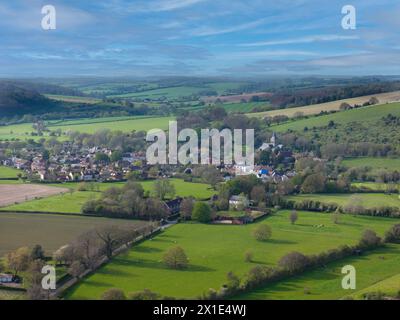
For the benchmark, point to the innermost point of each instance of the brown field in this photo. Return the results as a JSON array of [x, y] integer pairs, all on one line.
[[329, 106], [48, 230], [16, 193], [236, 98]]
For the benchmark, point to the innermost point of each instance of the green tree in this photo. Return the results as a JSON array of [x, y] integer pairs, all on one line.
[[175, 258], [201, 212], [113, 294], [116, 156], [262, 232], [164, 188]]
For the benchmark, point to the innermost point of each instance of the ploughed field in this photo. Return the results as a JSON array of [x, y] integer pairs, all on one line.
[[50, 231], [214, 250]]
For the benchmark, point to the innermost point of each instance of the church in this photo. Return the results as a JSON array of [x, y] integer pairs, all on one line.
[[272, 145]]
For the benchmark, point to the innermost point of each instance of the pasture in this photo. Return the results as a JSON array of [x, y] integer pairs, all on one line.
[[375, 270], [9, 173], [329, 106], [391, 164], [365, 115], [74, 99], [50, 231], [367, 200], [63, 203], [214, 250], [376, 186], [200, 191]]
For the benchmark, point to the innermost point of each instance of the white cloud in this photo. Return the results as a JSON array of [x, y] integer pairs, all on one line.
[[309, 39], [206, 31]]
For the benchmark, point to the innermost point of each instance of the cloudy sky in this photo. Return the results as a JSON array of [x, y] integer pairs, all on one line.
[[199, 37]]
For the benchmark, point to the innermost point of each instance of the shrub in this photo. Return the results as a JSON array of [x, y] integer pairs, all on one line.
[[175, 258], [113, 294], [262, 232]]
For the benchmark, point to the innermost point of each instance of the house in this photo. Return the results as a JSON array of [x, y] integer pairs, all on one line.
[[174, 206], [271, 145], [238, 201], [8, 278]]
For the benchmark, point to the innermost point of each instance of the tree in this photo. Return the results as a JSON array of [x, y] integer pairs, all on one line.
[[146, 294], [336, 217], [186, 208], [201, 212], [37, 253], [258, 194], [262, 232], [293, 217], [314, 183], [102, 157], [76, 269], [110, 238], [116, 156], [294, 261], [163, 188], [18, 260], [370, 239], [248, 256], [113, 294], [393, 235], [175, 258]]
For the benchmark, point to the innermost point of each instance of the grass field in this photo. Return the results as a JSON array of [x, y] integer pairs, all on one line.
[[378, 269], [7, 172], [368, 200], [171, 93], [214, 250], [11, 295], [50, 231], [125, 124], [185, 189], [376, 186], [364, 114], [329, 106], [391, 164], [75, 99], [243, 106], [64, 203]]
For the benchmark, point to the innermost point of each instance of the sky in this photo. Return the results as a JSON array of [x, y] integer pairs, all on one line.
[[236, 38]]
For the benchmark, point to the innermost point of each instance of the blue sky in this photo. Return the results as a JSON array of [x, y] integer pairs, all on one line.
[[199, 37]]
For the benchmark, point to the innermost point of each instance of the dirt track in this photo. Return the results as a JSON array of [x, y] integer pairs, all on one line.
[[16, 193]]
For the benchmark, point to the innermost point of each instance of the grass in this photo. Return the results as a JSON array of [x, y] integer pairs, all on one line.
[[375, 186], [329, 106], [11, 295], [75, 99], [376, 270], [9, 173], [171, 93], [50, 231], [364, 114], [368, 200], [185, 189], [374, 163], [64, 203], [125, 124], [243, 106], [214, 250]]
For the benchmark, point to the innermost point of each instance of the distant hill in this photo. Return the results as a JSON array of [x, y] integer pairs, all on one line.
[[16, 100]]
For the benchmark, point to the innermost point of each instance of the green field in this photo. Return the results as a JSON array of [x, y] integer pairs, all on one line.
[[64, 203], [214, 250], [364, 115], [391, 164], [376, 186], [185, 189], [329, 106], [368, 200], [74, 99], [125, 124], [9, 173], [376, 270], [50, 231], [243, 106]]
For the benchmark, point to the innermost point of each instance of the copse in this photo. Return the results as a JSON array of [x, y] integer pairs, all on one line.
[[113, 294]]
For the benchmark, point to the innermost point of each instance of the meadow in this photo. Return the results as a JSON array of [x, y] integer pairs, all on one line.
[[214, 250], [368, 200], [64, 203], [125, 124], [50, 231], [391, 164], [364, 115], [74, 99], [243, 107], [376, 186], [329, 106], [9, 173], [200, 191], [375, 270]]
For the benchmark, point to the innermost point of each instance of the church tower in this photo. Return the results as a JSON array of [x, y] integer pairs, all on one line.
[[273, 139]]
